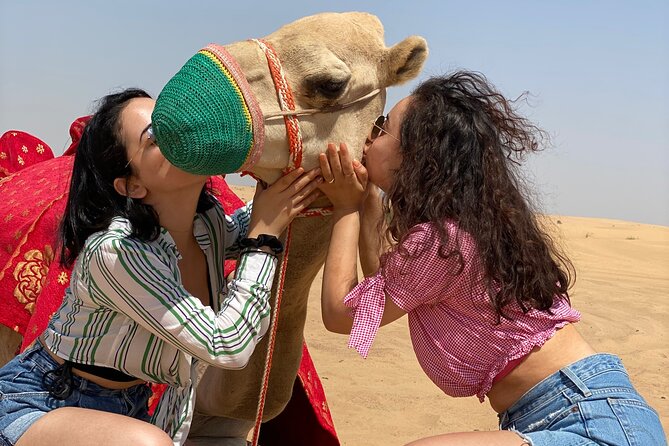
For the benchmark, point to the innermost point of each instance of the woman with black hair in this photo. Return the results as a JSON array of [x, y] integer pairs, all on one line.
[[148, 300], [484, 287]]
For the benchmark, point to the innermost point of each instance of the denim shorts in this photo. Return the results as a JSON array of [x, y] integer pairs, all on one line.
[[24, 398], [590, 402]]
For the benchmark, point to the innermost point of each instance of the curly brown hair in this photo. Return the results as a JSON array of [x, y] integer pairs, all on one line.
[[467, 142]]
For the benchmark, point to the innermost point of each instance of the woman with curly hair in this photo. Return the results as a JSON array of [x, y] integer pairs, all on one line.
[[463, 255]]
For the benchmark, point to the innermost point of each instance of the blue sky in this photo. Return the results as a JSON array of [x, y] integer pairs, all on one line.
[[597, 71]]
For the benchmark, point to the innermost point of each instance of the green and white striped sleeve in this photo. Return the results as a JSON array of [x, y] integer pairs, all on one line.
[[236, 228], [132, 278]]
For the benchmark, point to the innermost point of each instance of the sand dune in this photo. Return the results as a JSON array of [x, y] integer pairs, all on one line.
[[622, 290]]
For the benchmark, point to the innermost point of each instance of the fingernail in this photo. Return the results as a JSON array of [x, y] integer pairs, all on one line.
[[356, 163]]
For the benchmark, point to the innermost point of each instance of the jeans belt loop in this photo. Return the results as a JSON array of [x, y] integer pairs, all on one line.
[[577, 381]]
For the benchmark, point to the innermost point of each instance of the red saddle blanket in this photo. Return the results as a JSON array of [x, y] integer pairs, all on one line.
[[33, 192]]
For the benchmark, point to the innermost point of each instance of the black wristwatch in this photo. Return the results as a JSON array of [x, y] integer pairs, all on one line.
[[270, 241]]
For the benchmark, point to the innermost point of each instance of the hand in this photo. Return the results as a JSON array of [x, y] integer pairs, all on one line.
[[345, 180], [276, 206]]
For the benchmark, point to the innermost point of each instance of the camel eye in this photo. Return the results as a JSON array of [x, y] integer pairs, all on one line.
[[331, 89], [325, 86]]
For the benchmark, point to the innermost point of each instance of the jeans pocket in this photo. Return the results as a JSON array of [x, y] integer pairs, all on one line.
[[19, 381], [568, 419], [639, 423], [37, 359], [622, 422], [24, 374]]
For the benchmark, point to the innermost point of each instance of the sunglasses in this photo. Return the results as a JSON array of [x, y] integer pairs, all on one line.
[[151, 136], [379, 127]]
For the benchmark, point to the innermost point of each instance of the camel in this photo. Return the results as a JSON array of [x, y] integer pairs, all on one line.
[[328, 59]]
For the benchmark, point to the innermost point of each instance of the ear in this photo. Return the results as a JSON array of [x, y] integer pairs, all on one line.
[[129, 188], [405, 60]]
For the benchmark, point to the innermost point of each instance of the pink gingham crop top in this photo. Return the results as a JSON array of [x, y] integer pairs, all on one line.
[[453, 326]]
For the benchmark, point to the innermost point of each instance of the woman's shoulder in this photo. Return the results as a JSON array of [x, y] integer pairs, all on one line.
[[118, 229], [432, 232], [444, 245]]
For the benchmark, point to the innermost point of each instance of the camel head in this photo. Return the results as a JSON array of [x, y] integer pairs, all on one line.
[[337, 67]]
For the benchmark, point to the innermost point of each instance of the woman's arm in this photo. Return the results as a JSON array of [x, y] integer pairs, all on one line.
[[347, 191], [345, 183], [372, 230], [236, 228], [340, 274], [133, 278]]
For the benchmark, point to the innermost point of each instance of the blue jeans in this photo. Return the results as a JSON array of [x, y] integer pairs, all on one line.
[[590, 402], [24, 398]]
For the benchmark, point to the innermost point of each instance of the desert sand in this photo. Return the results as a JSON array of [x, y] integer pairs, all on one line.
[[621, 289]]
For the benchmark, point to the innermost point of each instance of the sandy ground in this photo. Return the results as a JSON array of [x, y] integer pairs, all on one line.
[[622, 291]]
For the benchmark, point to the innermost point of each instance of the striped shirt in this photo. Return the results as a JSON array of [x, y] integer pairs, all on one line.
[[454, 329], [126, 308]]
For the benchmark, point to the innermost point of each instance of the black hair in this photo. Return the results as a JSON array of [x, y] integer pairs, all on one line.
[[101, 157]]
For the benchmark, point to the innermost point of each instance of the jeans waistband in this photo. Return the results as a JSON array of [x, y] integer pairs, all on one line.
[[574, 377], [45, 363]]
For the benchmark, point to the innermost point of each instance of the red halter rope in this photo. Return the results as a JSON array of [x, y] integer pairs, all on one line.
[[289, 114], [286, 102]]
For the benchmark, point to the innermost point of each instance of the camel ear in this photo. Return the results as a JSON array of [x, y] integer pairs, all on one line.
[[405, 60]]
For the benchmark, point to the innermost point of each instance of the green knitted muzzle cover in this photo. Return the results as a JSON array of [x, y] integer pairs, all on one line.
[[206, 120]]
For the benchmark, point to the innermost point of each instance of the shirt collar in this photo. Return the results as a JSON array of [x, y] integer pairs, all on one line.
[[201, 232]]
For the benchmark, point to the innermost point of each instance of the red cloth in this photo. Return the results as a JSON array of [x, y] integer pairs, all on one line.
[[33, 195], [19, 150], [32, 202], [76, 130]]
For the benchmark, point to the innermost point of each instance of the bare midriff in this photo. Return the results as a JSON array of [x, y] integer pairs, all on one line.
[[564, 348], [106, 383]]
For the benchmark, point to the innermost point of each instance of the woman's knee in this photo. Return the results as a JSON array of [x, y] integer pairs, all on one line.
[[76, 426], [141, 433], [152, 436]]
